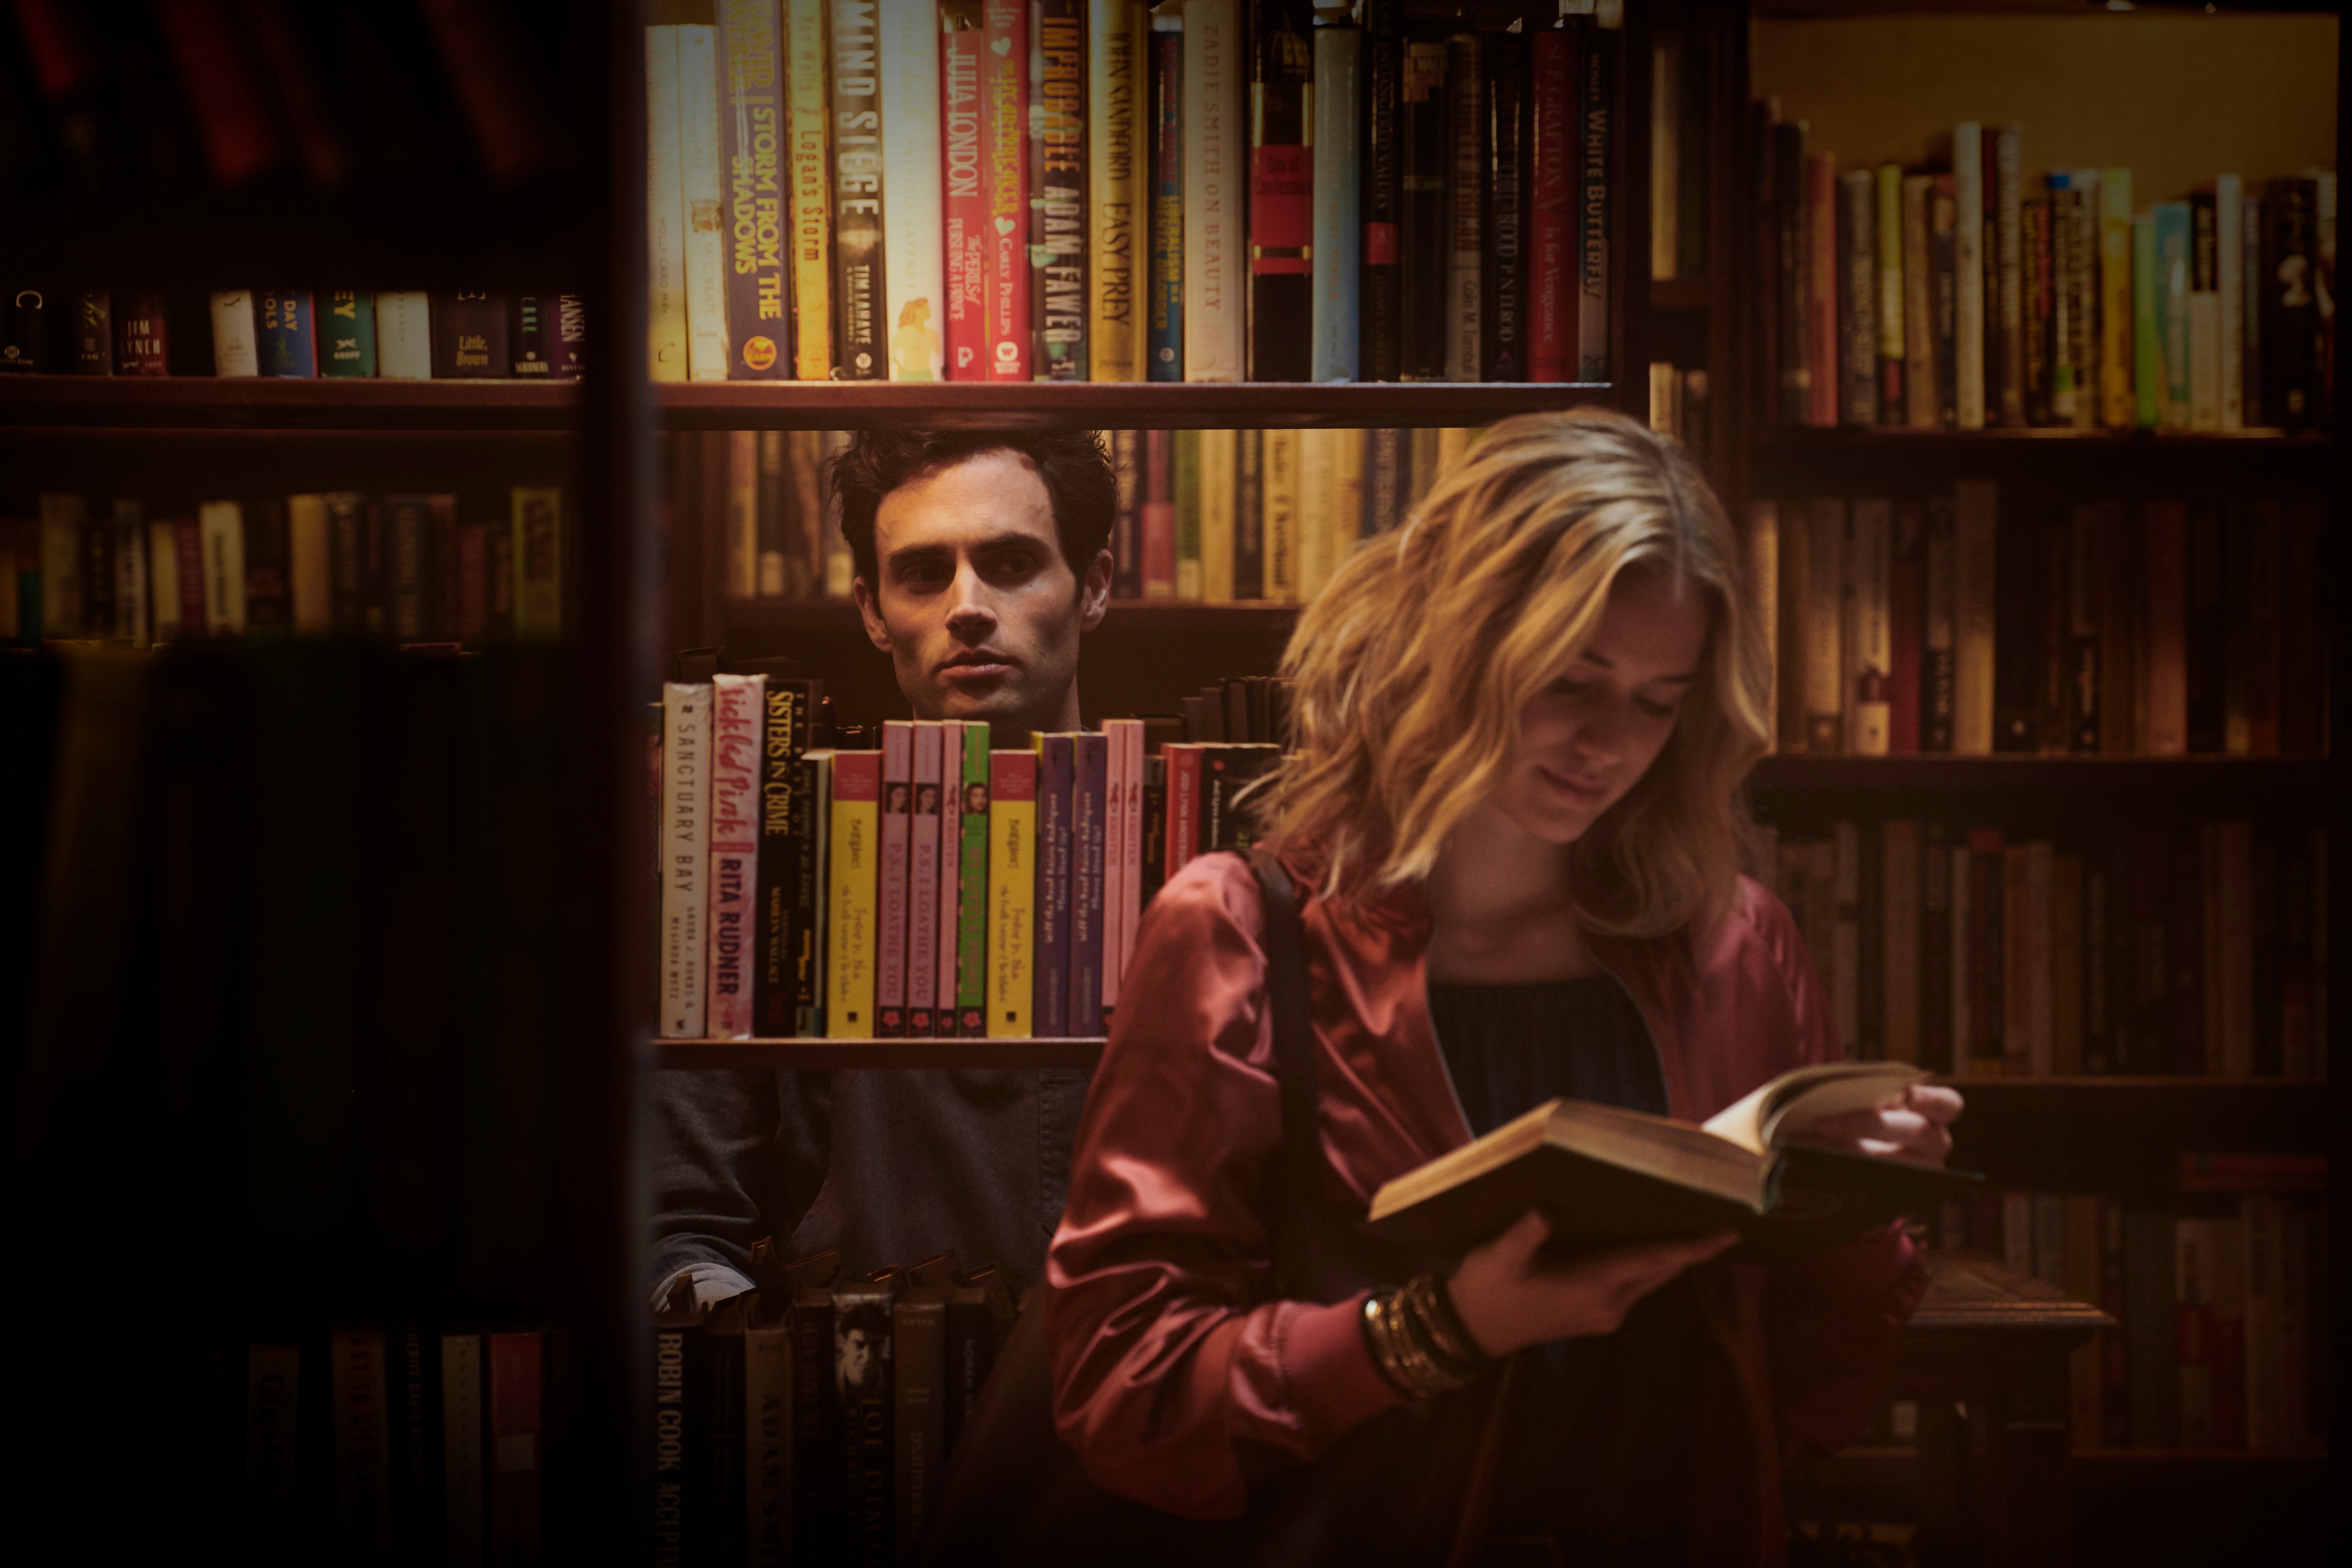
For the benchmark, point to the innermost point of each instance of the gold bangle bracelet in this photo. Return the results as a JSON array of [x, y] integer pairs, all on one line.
[[1447, 1338]]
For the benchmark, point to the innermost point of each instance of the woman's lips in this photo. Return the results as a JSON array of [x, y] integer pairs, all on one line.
[[1581, 791]]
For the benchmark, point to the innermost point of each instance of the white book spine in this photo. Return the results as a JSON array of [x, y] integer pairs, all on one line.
[[163, 581], [234, 351], [702, 186], [311, 584], [1968, 273], [1869, 642], [685, 844], [1216, 178], [913, 215], [737, 703], [2230, 274], [220, 529], [1975, 579], [403, 334], [664, 209]]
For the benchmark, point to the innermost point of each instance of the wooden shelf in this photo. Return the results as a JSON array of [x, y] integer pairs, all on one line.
[[1798, 772], [794, 1055], [1105, 405], [2003, 438], [280, 403], [1135, 617]]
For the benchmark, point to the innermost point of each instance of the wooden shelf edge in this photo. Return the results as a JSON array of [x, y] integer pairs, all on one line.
[[1091, 405], [286, 403], [1810, 438], [1934, 772], [826, 1055]]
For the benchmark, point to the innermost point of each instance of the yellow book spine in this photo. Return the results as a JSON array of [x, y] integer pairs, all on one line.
[[1114, 56], [1318, 502], [1012, 892], [2117, 400], [851, 894], [1218, 453], [538, 564], [1283, 458], [812, 217]]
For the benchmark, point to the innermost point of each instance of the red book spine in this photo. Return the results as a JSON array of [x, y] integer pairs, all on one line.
[[1183, 805], [1003, 130], [1906, 610], [1159, 516], [962, 51], [890, 900], [1551, 230], [515, 1443]]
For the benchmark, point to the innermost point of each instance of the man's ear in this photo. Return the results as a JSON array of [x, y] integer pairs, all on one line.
[[1093, 594], [869, 609]]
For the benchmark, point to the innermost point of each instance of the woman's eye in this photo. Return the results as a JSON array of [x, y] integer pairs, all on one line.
[[1655, 710]]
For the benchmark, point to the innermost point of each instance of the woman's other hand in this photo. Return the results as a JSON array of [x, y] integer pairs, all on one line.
[[1916, 1127], [1509, 1297]]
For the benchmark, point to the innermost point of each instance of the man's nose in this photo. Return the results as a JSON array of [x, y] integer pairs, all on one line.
[[970, 600]]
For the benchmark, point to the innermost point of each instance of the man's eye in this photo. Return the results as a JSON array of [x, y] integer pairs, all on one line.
[[1016, 565]]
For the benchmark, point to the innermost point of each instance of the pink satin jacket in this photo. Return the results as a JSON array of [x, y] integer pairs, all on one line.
[[1176, 1382]]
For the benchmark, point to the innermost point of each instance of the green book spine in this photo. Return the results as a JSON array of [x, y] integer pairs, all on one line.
[[1187, 487], [971, 891], [2172, 284], [2148, 362], [347, 327]]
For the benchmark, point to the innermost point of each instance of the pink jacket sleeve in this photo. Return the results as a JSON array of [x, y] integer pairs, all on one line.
[[1174, 1380], [1833, 1324]]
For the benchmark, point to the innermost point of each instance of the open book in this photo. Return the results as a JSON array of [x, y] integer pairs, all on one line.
[[1608, 1176]]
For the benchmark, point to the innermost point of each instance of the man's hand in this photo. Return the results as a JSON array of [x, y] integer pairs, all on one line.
[[1915, 1128]]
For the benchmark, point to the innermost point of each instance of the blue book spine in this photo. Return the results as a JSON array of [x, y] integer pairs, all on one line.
[[1050, 999], [349, 324], [2172, 308], [1165, 349], [1089, 789], [1338, 225], [289, 334]]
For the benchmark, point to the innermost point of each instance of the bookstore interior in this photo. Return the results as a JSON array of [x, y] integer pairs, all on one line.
[[560, 1118]]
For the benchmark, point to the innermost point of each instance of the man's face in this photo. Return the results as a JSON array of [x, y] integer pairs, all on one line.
[[976, 609], [856, 1357]]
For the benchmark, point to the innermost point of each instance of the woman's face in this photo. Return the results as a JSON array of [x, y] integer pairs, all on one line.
[[1589, 736]]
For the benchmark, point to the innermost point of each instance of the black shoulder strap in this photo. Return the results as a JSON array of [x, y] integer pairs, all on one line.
[[1291, 1183]]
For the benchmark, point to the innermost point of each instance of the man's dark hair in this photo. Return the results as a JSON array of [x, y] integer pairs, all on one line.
[[1079, 484]]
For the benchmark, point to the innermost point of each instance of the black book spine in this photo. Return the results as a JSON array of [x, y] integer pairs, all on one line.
[[1386, 451], [1057, 294], [414, 1434], [1857, 292], [2207, 633], [1423, 147], [2017, 690], [716, 1531], [21, 314], [807, 955], [2040, 218], [858, 197], [2290, 321], [1380, 327], [1282, 197], [1695, 171], [1794, 271], [784, 739], [862, 1369], [816, 1440], [1126, 529], [1597, 106], [1155, 825], [970, 1354], [529, 332], [1249, 514], [469, 336], [673, 1473], [1503, 322], [269, 569], [93, 342], [95, 543]]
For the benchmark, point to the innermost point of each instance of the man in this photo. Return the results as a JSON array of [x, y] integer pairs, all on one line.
[[981, 558]]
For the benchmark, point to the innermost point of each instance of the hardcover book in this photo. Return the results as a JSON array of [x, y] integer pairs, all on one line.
[[93, 333], [702, 184], [861, 338], [1165, 345], [809, 119], [1379, 328], [963, 200], [1502, 332], [1216, 70], [403, 334], [665, 208], [1118, 123], [1598, 108], [288, 340], [1282, 197], [469, 336], [1551, 207], [1466, 206], [347, 333], [752, 112], [853, 862], [1058, 181], [862, 1376], [1333, 160], [141, 336], [914, 273], [1004, 183], [1425, 259]]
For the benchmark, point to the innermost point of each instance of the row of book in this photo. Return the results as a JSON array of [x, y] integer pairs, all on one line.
[[401, 567], [1204, 515], [1075, 190], [812, 1420], [395, 334], [931, 885], [1976, 622], [2139, 950], [1681, 176], [1961, 295], [2219, 1300]]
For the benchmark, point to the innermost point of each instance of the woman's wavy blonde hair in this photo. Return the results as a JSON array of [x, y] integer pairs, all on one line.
[[1411, 667]]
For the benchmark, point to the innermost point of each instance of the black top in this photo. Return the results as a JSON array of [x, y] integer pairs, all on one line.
[[1597, 1469]]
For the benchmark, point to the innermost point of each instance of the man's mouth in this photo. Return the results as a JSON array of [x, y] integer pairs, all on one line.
[[980, 664]]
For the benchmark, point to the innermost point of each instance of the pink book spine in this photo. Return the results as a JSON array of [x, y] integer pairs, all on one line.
[[736, 704], [890, 902], [964, 164], [1551, 230], [1004, 137], [944, 989], [1135, 845], [1113, 879], [1183, 804], [923, 882]]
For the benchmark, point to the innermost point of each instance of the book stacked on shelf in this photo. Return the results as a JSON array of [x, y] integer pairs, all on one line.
[[1681, 160], [1963, 293], [1100, 190], [1979, 623], [1980, 953], [344, 333], [2219, 1294], [932, 887], [408, 568], [812, 1420], [1209, 516]]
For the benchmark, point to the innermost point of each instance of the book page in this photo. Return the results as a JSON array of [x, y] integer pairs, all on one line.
[[1808, 1094]]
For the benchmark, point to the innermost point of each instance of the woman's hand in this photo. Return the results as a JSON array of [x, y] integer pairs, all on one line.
[[1508, 1297], [1915, 1127]]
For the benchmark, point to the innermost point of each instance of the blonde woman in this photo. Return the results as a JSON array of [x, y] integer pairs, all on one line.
[[1513, 819]]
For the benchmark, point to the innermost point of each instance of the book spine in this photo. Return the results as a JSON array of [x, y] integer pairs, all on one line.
[[1282, 462], [1503, 337], [1215, 236], [1551, 208], [2291, 269], [197, 581], [347, 332], [1380, 327], [736, 706], [854, 886], [1423, 149], [141, 333], [964, 196], [1281, 309], [1185, 487], [2172, 291], [223, 533], [918, 1354], [1976, 513], [1117, 41], [1004, 184], [516, 1375], [862, 1335], [1823, 284], [2008, 193], [1891, 301], [859, 265], [1317, 511], [2148, 339], [1823, 624], [1466, 205], [686, 838], [1334, 159], [403, 334], [2061, 265], [811, 951], [362, 1444], [1058, 212], [1214, 489], [701, 194], [1935, 949], [1013, 893], [1125, 449], [465, 1513], [235, 351], [970, 739], [1596, 207], [2084, 676], [530, 331], [2206, 629], [288, 333], [310, 574], [915, 271], [2204, 313], [947, 914], [2116, 398], [1905, 591], [1114, 877], [922, 878], [1387, 452], [1792, 255], [1857, 297], [809, 159], [1159, 515], [1183, 807], [127, 548], [2229, 284], [1166, 288], [469, 336], [1969, 245], [767, 1445], [537, 549], [1249, 514], [665, 208], [1051, 1004], [2252, 293], [753, 154], [1865, 644], [59, 574], [1089, 847], [776, 934], [93, 333], [892, 894]]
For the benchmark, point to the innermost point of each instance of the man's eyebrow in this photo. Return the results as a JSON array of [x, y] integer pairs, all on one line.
[[1589, 656], [987, 546]]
